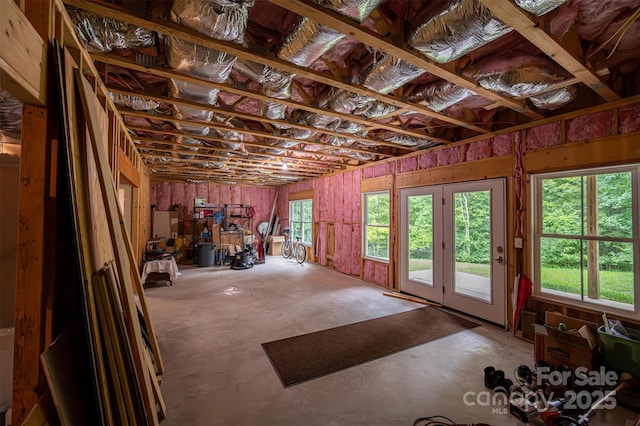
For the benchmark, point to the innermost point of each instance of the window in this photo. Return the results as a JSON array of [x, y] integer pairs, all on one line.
[[376, 225], [585, 237], [300, 220]]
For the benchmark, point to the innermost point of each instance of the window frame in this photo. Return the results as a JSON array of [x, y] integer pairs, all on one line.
[[536, 216], [301, 221], [365, 225]]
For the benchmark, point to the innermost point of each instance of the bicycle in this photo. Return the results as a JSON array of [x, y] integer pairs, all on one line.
[[293, 248]]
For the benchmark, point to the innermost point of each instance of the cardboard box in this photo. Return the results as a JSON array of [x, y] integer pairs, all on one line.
[[275, 245], [199, 202], [573, 346]]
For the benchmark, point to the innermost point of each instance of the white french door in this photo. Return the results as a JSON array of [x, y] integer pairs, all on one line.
[[452, 246]]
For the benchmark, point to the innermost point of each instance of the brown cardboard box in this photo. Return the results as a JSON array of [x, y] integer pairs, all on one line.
[[575, 347], [275, 245]]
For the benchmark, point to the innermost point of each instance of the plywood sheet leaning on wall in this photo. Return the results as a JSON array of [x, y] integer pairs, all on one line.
[[122, 250]]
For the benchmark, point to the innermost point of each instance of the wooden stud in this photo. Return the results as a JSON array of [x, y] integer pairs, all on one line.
[[513, 16]]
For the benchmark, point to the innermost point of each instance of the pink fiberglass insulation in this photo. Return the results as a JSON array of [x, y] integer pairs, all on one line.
[[338, 247], [153, 194], [246, 198], [224, 194], [501, 145], [427, 160], [408, 164], [320, 199], [381, 169], [347, 188], [163, 199], [331, 198], [367, 173], [380, 274], [589, 127], [178, 197], [478, 150], [213, 195], [338, 201], [629, 117], [368, 270], [543, 136], [202, 191], [347, 254], [234, 195], [447, 156], [355, 198], [322, 246], [355, 250], [190, 196]]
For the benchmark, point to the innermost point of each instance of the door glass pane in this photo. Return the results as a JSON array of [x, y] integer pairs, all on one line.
[[472, 244], [420, 238]]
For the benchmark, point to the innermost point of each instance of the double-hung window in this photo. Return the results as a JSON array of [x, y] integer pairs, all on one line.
[[376, 225], [586, 237], [300, 220]]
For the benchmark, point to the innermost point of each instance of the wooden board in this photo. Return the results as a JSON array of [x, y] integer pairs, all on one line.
[[96, 144], [76, 181]]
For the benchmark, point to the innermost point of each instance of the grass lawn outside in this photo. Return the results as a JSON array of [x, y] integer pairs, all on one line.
[[614, 285], [470, 268]]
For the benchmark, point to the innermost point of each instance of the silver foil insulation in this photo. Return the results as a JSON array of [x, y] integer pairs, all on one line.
[[133, 102], [462, 27], [220, 19], [523, 76], [389, 73], [554, 99], [100, 34], [539, 7], [441, 95]]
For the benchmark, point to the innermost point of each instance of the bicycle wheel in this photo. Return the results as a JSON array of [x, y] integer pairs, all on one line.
[[301, 253], [286, 249]]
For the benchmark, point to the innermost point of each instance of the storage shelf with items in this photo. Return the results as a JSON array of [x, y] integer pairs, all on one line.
[[205, 219], [229, 227], [237, 222]]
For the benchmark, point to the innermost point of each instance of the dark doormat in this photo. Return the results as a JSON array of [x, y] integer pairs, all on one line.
[[309, 356]]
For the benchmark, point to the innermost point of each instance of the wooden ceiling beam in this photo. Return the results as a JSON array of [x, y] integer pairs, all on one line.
[[243, 90], [237, 159], [512, 15], [346, 26], [204, 159], [332, 164], [256, 54], [256, 133], [265, 120], [162, 173], [242, 171]]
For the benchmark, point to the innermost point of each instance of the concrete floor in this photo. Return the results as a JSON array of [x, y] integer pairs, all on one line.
[[212, 321]]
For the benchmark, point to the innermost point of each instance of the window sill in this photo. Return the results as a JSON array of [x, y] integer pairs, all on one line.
[[376, 259], [595, 308]]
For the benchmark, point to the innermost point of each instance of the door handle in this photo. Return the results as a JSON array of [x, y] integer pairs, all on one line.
[[499, 259]]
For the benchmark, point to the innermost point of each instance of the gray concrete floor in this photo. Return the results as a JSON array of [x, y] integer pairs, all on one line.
[[212, 321]]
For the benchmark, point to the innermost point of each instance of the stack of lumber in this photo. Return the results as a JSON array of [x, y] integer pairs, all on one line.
[[115, 332]]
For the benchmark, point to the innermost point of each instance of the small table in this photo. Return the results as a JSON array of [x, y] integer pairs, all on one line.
[[165, 269]]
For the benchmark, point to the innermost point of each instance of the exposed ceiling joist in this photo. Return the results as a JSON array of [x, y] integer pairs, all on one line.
[[264, 120], [346, 26], [325, 162], [294, 163], [244, 91], [258, 56], [516, 18], [255, 133]]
